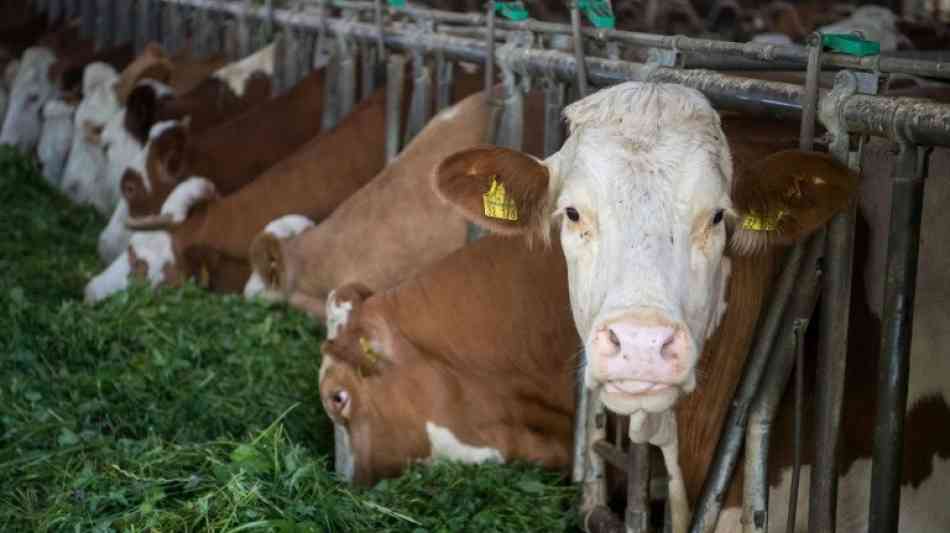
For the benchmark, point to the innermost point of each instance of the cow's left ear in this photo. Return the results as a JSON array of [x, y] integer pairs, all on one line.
[[787, 196], [499, 189]]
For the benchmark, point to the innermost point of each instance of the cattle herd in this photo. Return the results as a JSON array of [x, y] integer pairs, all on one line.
[[648, 242]]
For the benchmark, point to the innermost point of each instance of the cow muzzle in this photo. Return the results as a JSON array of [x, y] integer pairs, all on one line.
[[642, 361]]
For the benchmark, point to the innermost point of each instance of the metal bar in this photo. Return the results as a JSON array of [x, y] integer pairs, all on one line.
[[581, 66], [750, 50], [553, 106], [420, 109], [368, 61], [148, 26], [637, 515], [347, 94], [395, 74], [105, 24], [810, 106], [730, 440], [331, 88], [88, 20], [898, 320], [581, 397], [919, 121], [124, 23], [490, 52], [511, 134], [445, 74], [766, 402], [594, 486]]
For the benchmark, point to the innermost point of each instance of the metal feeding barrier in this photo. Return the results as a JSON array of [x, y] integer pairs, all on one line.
[[386, 36]]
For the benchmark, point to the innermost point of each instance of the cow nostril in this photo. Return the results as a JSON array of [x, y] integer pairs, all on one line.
[[613, 338], [669, 350], [340, 398]]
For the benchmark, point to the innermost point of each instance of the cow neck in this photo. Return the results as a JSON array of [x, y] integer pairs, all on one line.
[[700, 415]]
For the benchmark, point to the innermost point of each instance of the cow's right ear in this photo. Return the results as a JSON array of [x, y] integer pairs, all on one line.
[[343, 306], [133, 190], [499, 189]]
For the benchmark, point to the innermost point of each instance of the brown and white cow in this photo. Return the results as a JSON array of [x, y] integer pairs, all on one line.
[[213, 239], [643, 191], [390, 229], [473, 359], [225, 154]]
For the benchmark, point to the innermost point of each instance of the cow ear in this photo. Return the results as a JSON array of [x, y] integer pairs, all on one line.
[[343, 307], [499, 189], [787, 196], [132, 187]]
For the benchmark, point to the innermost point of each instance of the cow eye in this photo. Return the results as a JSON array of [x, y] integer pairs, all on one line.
[[572, 214], [718, 216]]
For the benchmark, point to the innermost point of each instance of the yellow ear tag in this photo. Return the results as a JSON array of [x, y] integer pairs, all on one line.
[[755, 222], [368, 350], [204, 276], [497, 203]]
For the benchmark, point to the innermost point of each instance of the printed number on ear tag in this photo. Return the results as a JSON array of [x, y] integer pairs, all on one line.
[[497, 203]]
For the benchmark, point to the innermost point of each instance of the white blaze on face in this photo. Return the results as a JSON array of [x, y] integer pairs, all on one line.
[[86, 164], [57, 136], [338, 314], [282, 228], [121, 149], [446, 446], [236, 74], [644, 173], [30, 90]]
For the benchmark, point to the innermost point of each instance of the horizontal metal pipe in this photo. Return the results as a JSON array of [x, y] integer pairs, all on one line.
[[751, 50], [921, 122]]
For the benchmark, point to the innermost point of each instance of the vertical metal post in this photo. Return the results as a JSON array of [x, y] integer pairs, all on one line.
[[331, 89], [124, 22], [244, 30], [54, 11], [88, 14], [768, 398], [105, 24], [578, 49], [368, 62], [148, 25], [594, 487], [444, 73], [490, 53], [347, 62], [420, 108], [553, 106], [637, 514], [581, 399], [730, 441], [395, 76], [810, 106], [511, 130], [381, 38], [281, 77], [898, 319], [833, 328]]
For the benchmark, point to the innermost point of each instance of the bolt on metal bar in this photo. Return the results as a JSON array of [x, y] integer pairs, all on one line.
[[919, 121], [726, 455], [898, 319], [765, 404]]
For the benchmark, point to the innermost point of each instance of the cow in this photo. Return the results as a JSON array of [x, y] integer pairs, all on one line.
[[57, 136], [29, 92], [643, 190], [103, 144], [212, 242], [226, 155], [473, 359], [409, 225]]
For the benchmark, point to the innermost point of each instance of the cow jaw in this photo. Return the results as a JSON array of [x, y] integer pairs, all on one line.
[[641, 189]]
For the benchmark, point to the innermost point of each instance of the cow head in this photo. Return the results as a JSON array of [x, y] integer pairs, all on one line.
[[157, 169], [153, 252], [643, 192], [85, 165], [57, 135], [269, 274], [30, 90]]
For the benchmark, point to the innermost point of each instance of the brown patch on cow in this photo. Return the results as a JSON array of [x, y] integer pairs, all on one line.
[[464, 177], [213, 270], [152, 64], [141, 112]]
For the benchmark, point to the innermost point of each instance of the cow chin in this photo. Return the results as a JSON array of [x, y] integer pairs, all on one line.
[[650, 397]]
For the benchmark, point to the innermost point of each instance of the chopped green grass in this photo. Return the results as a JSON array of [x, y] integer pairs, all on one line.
[[177, 410]]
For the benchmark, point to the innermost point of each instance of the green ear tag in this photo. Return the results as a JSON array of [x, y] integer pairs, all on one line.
[[851, 45], [598, 12], [397, 3], [755, 222], [514, 11]]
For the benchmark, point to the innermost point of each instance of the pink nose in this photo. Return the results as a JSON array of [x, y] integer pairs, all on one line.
[[638, 351]]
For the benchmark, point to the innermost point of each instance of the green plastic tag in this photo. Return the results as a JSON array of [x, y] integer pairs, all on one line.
[[511, 10], [397, 3], [850, 44], [598, 12]]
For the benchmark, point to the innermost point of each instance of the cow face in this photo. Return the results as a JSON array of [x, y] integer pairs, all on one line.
[[642, 191], [30, 91], [56, 138], [85, 166]]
